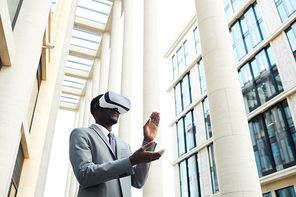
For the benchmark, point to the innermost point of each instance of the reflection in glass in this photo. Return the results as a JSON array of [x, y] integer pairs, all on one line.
[[259, 80], [181, 140], [202, 77], [207, 117], [214, 178], [183, 179], [190, 131], [180, 60], [196, 40], [178, 98], [286, 192]]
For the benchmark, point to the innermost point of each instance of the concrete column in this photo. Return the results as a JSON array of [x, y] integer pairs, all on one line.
[[236, 167], [88, 91], [95, 84], [68, 181], [16, 82], [104, 63], [114, 44], [61, 32], [62, 26], [72, 181], [153, 186], [126, 72]]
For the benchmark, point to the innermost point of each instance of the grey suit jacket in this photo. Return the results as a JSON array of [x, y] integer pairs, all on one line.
[[99, 172]]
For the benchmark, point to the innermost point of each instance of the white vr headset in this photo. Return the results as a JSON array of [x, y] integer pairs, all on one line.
[[113, 100]]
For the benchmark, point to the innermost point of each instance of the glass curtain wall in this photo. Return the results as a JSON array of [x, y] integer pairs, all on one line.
[[274, 139], [285, 8], [247, 32], [260, 80], [291, 35]]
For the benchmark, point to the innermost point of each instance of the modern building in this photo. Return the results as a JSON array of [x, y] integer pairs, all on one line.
[[233, 83], [232, 77]]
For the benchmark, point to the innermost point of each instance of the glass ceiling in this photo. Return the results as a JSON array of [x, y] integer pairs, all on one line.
[[94, 10], [79, 63], [85, 39]]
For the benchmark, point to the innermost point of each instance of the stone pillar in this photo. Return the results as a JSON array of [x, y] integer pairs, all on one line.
[[72, 181], [88, 91], [126, 72], [16, 82], [95, 84], [153, 186], [114, 45], [104, 63], [236, 167], [62, 29]]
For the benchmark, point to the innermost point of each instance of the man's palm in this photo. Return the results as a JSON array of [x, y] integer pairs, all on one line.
[[151, 127]]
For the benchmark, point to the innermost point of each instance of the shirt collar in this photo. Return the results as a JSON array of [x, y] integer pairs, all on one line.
[[104, 130]]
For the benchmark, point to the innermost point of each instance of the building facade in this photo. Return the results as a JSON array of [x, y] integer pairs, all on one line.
[[262, 36]]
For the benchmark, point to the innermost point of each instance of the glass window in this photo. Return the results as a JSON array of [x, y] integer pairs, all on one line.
[[183, 179], [181, 138], [178, 98], [259, 80], [190, 131], [261, 149], [214, 178], [196, 40], [79, 63], [236, 4], [207, 117], [202, 76], [186, 91], [85, 39], [267, 195], [180, 60], [190, 183], [272, 138], [193, 176], [286, 192], [14, 9], [175, 70], [185, 47], [94, 10], [183, 94], [186, 133], [291, 34], [247, 32], [227, 9], [285, 8]]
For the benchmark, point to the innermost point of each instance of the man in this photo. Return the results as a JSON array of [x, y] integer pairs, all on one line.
[[103, 163]]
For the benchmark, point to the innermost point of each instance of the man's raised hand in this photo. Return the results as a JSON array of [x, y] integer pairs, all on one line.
[[151, 127]]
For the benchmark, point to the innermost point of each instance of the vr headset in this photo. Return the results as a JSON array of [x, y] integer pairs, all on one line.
[[113, 100]]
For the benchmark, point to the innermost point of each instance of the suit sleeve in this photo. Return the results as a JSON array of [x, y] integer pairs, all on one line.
[[87, 173], [140, 176]]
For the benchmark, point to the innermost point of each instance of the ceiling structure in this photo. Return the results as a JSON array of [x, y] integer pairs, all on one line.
[[91, 20]]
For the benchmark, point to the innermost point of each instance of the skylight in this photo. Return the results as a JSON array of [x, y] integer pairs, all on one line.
[[96, 10], [79, 63], [67, 98], [73, 82], [85, 39]]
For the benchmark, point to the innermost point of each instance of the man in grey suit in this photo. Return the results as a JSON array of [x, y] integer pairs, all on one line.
[[103, 163]]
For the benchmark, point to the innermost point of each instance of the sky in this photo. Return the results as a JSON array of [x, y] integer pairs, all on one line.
[[172, 16]]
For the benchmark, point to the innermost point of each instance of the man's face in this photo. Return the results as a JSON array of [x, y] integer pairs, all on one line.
[[107, 115]]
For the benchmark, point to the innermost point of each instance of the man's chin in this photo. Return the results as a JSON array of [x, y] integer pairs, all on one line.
[[113, 121]]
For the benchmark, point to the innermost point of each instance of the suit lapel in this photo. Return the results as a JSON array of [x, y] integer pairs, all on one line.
[[104, 138]]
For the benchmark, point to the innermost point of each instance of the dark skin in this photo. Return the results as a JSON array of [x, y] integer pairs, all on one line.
[[108, 117]]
